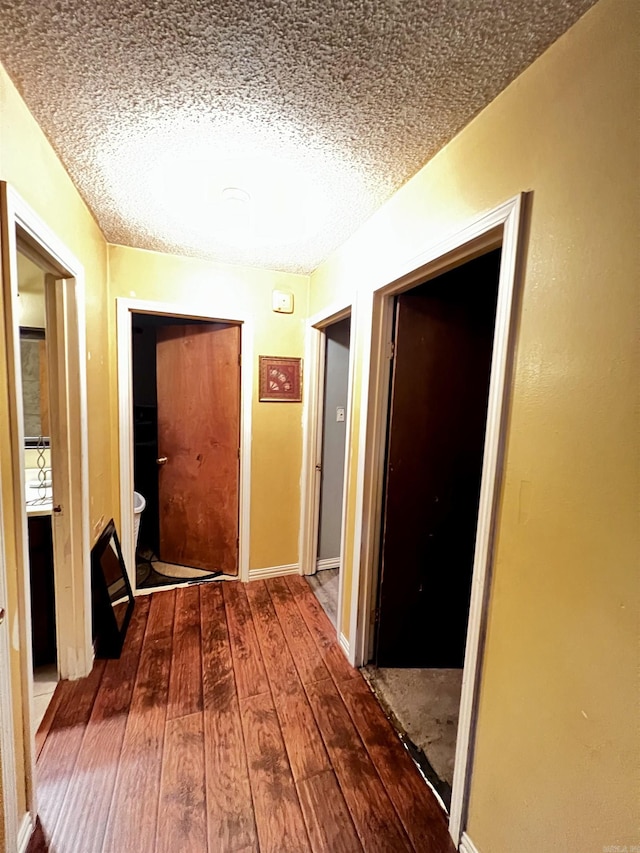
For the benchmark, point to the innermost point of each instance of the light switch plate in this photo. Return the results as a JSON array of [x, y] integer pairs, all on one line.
[[283, 302]]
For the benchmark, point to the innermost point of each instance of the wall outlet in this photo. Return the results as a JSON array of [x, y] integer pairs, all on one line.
[[283, 302], [340, 414]]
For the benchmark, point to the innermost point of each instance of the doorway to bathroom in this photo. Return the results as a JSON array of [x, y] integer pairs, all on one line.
[[186, 448], [324, 577], [45, 495], [39, 476], [329, 367], [439, 376]]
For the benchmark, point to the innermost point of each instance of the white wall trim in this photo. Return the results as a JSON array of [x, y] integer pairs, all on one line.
[[124, 308], [333, 313], [274, 572], [328, 563], [498, 227], [467, 845], [7, 731], [69, 408], [347, 469], [24, 833], [344, 643], [66, 347], [312, 438], [368, 500], [312, 405]]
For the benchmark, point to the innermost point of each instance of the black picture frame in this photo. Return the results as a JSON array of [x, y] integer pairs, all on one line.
[[112, 596]]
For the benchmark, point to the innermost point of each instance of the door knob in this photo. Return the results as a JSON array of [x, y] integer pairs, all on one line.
[[1, 615], [162, 460]]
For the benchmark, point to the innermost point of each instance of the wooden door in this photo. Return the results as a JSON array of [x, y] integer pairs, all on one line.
[[198, 381], [437, 422]]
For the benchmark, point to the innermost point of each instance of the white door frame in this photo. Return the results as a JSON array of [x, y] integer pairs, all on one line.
[[501, 227], [313, 400], [124, 309], [66, 352], [7, 735]]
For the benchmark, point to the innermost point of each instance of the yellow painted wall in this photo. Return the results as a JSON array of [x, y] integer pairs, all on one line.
[[557, 753], [29, 164], [31, 292], [225, 291]]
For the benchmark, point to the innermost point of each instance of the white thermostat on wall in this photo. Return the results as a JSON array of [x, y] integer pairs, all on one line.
[[283, 301]]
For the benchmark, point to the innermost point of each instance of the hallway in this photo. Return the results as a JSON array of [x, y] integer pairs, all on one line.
[[231, 722]]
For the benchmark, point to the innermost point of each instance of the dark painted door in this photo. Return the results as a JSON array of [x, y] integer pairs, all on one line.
[[437, 422]]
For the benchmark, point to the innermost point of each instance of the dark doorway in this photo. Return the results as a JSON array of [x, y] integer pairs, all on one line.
[[439, 388], [440, 372]]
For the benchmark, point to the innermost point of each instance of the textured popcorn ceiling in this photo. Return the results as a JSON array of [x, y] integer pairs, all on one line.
[[318, 109]]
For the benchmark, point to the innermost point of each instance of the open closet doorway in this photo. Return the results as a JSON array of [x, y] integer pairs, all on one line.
[[443, 334], [186, 448], [332, 408]]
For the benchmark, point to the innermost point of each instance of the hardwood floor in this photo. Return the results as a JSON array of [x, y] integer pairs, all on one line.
[[232, 722]]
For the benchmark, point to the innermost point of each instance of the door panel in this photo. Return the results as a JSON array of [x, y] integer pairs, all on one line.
[[437, 422], [198, 379]]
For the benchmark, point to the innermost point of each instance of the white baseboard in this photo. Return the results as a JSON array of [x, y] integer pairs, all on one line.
[[344, 643], [274, 572], [77, 666], [24, 833], [467, 845], [328, 563]]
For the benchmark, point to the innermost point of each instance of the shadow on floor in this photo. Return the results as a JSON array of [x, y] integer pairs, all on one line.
[[325, 588], [152, 572]]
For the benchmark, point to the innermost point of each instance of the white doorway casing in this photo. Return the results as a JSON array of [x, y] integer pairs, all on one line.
[[337, 352], [501, 227], [7, 735], [124, 310], [66, 347], [315, 340]]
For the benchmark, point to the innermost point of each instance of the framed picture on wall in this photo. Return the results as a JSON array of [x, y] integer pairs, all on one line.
[[280, 379]]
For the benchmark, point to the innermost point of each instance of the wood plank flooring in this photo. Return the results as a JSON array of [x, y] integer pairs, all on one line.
[[232, 722]]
